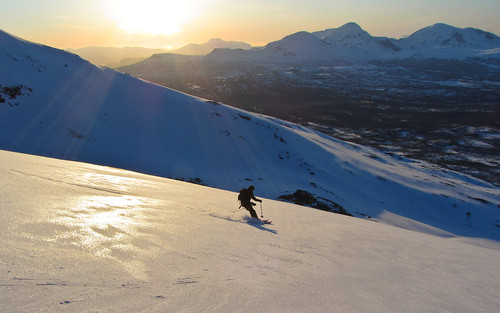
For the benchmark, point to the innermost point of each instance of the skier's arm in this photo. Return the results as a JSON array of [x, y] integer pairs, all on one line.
[[258, 200]]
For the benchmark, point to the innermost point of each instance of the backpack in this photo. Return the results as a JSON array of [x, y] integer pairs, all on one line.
[[243, 196]]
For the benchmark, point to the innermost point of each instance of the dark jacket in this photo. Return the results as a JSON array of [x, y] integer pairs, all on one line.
[[246, 196]]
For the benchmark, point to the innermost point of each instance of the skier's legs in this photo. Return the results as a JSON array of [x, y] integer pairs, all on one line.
[[252, 211]]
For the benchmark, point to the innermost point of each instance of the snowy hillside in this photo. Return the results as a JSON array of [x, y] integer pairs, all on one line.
[[56, 104], [76, 237]]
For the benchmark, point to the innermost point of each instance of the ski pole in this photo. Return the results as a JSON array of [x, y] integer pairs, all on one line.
[[238, 208], [261, 214]]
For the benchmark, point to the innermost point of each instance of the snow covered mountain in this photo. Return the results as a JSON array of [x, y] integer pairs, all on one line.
[[442, 35], [445, 41], [347, 44], [76, 237], [351, 43], [53, 103], [301, 45]]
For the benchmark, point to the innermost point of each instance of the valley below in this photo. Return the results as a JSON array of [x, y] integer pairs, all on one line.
[[442, 111]]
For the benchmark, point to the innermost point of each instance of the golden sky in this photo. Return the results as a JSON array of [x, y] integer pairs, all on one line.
[[166, 23]]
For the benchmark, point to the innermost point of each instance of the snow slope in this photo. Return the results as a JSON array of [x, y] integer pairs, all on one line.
[[58, 105], [77, 237]]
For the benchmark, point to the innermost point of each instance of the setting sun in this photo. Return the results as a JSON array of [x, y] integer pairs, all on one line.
[[155, 17]]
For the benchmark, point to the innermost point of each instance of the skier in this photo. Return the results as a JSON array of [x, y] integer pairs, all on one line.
[[245, 197]]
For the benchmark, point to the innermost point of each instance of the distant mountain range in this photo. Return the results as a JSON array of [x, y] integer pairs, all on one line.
[[351, 43], [116, 57], [348, 43], [55, 104], [206, 48]]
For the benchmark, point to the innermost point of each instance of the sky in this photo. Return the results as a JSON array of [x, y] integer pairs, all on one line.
[[173, 24]]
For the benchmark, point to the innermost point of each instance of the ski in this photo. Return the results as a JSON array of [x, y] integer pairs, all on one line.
[[259, 221], [266, 221]]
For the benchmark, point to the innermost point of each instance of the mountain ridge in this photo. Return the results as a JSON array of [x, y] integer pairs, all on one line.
[[350, 42], [209, 46], [113, 56], [116, 57]]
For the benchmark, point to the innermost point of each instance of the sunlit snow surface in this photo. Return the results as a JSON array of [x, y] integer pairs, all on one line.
[[76, 237]]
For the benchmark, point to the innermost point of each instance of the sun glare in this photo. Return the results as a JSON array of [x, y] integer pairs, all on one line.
[[154, 17]]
